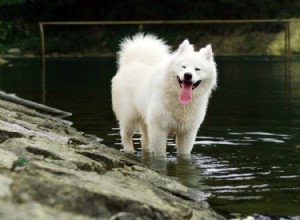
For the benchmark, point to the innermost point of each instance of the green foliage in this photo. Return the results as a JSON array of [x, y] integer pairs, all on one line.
[[38, 10], [5, 31], [11, 2], [19, 35], [18, 20], [21, 162]]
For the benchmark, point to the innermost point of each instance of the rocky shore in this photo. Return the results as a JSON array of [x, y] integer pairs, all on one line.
[[50, 170]]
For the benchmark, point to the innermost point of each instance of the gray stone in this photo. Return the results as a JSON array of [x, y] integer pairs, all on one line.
[[5, 183], [33, 210], [14, 51], [3, 61], [52, 171], [7, 158]]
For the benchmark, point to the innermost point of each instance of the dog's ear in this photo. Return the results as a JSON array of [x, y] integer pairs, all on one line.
[[207, 52], [184, 46]]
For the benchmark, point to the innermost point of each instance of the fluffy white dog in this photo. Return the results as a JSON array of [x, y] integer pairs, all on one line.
[[159, 93]]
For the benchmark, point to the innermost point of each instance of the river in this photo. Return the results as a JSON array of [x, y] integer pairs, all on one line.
[[247, 152]]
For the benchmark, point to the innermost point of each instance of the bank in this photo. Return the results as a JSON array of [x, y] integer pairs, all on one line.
[[50, 170]]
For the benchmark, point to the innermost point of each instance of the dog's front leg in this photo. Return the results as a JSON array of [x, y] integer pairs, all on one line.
[[157, 139], [185, 141]]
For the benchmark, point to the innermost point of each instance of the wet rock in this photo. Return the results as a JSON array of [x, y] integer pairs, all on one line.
[[3, 61], [49, 170], [14, 51]]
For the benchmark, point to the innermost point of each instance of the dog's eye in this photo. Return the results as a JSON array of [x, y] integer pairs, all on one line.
[[197, 69], [183, 67]]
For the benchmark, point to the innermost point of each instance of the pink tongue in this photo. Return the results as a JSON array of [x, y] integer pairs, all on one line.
[[185, 96]]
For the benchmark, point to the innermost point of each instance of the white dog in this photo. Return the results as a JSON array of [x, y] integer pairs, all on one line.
[[158, 92]]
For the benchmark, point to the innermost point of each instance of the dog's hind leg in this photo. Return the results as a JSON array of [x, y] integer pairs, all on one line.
[[145, 139], [126, 132]]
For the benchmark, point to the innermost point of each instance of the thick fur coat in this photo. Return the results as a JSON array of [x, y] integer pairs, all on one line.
[[159, 92]]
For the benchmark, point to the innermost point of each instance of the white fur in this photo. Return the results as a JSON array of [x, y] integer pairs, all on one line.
[[145, 92]]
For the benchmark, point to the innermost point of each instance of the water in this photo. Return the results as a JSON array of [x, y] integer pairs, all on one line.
[[247, 153]]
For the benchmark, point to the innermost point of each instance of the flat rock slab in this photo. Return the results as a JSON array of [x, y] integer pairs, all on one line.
[[49, 170]]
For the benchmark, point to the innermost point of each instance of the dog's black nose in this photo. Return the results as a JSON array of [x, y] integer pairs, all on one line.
[[187, 76]]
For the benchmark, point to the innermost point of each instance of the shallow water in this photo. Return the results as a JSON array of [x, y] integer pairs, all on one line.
[[247, 153]]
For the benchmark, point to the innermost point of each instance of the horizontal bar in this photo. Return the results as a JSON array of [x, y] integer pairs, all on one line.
[[167, 22]]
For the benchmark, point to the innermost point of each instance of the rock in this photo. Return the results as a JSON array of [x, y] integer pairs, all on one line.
[[5, 183], [277, 46], [3, 61], [14, 51], [33, 210], [49, 170], [7, 158]]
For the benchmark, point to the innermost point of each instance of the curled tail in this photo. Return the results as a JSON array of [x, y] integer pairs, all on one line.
[[143, 48]]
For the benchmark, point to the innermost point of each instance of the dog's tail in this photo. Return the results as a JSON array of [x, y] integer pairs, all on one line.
[[143, 48]]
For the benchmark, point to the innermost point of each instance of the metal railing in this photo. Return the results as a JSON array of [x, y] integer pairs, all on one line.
[[141, 24]]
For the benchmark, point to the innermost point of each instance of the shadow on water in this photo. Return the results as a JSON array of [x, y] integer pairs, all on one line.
[[246, 155], [181, 167]]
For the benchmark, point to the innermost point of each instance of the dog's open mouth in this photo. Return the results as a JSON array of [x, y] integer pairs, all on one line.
[[195, 85], [186, 96]]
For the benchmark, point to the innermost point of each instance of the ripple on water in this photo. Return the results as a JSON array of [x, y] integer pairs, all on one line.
[[233, 170]]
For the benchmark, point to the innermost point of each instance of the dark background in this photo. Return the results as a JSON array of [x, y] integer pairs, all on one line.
[[106, 10], [19, 22]]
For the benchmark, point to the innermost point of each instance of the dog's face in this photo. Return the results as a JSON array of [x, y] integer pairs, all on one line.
[[195, 71]]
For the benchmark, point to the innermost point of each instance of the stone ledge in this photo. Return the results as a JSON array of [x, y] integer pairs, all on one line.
[[49, 170]]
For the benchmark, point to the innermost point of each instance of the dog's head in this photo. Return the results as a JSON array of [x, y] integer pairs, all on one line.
[[195, 71]]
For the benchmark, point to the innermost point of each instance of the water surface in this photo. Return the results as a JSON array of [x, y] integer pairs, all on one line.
[[247, 153]]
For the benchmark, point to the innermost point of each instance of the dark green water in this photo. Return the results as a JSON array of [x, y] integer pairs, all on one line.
[[247, 153]]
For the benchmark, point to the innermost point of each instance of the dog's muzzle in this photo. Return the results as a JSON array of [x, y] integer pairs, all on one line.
[[188, 81]]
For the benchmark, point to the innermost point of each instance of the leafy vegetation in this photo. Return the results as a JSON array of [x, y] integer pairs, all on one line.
[[37, 10], [21, 162], [19, 18], [11, 2]]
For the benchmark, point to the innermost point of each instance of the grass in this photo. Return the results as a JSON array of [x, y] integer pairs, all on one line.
[[20, 162]]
